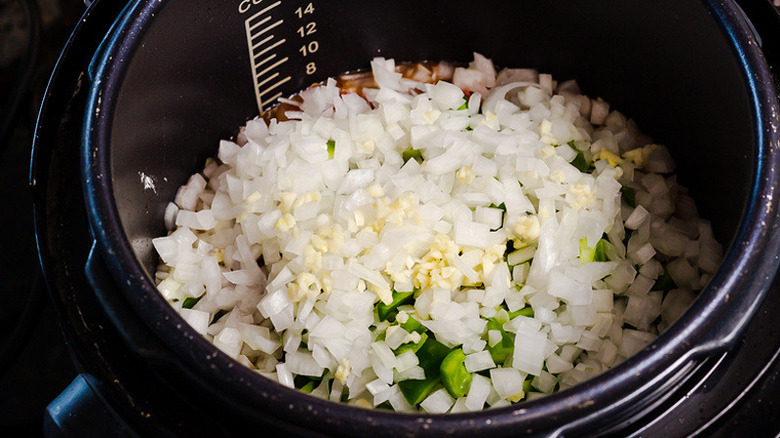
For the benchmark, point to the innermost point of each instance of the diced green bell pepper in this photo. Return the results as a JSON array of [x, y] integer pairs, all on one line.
[[595, 254], [454, 376], [412, 153], [413, 325], [220, 313], [629, 196], [189, 302], [415, 391], [387, 312], [309, 387], [331, 148], [525, 311], [501, 351], [527, 387], [580, 162], [415, 347], [430, 355]]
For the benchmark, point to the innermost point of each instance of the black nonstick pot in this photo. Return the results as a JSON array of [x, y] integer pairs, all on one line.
[[171, 78]]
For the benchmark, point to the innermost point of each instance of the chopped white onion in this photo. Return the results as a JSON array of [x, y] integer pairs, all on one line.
[[473, 202]]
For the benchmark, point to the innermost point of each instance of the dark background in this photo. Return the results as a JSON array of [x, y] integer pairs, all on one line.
[[34, 362]]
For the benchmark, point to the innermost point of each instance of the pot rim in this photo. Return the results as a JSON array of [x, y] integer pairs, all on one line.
[[715, 319]]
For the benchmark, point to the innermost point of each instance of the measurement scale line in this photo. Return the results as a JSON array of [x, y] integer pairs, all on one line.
[[275, 85], [276, 64], [263, 11], [259, 23], [262, 42], [276, 44], [275, 96], [266, 81], [264, 61], [252, 63], [258, 28], [267, 29]]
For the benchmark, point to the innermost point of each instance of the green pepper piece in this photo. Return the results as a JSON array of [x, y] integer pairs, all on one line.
[[189, 302], [303, 382], [580, 162], [415, 391], [331, 148], [602, 250], [220, 313], [387, 312], [454, 376], [527, 384], [502, 207], [664, 282], [412, 153], [587, 254], [464, 106], [309, 387], [595, 254], [525, 311], [413, 325], [629, 196], [501, 351], [430, 355], [494, 324], [411, 346]]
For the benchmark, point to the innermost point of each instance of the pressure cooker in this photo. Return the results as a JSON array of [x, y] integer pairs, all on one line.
[[149, 87]]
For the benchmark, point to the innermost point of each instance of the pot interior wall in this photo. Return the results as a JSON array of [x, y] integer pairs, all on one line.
[[667, 65]]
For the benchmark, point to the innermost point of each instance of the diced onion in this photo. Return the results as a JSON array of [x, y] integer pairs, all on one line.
[[528, 229]]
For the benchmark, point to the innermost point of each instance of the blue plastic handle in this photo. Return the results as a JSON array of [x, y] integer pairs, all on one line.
[[80, 411]]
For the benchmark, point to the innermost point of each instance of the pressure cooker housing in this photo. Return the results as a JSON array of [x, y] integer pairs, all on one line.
[[172, 78]]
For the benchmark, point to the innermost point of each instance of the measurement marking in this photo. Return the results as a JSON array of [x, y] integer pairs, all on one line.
[[262, 42], [271, 47], [266, 80], [265, 60], [271, 99], [259, 23], [262, 12], [276, 64], [258, 28], [276, 85], [267, 29]]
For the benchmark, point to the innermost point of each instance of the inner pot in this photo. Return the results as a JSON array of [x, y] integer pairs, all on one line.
[[172, 78]]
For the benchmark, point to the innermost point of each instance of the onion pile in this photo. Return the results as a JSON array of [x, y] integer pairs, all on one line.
[[445, 240]]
